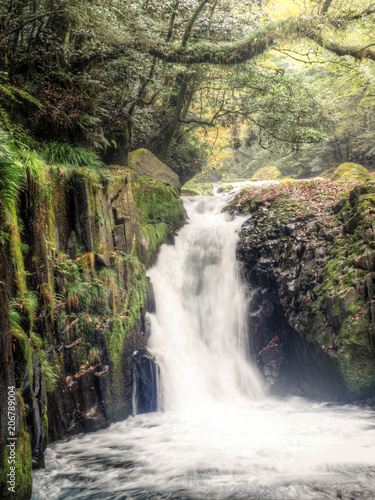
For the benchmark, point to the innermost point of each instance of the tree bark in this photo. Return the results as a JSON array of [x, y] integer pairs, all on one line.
[[160, 143], [326, 6]]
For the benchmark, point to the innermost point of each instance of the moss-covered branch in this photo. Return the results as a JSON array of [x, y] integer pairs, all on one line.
[[227, 53], [261, 39], [367, 52]]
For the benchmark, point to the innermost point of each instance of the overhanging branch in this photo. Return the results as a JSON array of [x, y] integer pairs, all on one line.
[[255, 44]]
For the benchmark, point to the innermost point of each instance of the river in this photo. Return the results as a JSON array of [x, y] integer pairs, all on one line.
[[217, 435]]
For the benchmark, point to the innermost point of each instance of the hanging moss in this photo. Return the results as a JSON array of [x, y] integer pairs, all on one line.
[[135, 301]]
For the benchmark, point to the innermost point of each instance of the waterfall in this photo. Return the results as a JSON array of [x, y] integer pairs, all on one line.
[[219, 437], [199, 331]]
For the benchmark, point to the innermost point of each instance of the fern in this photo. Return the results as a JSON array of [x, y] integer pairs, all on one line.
[[11, 178], [65, 155]]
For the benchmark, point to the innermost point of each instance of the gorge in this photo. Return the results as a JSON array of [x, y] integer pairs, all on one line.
[[218, 433]]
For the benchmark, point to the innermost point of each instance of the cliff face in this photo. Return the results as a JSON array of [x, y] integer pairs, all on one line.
[[308, 254], [73, 291]]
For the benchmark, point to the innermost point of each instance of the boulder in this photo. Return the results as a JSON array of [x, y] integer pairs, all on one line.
[[143, 162], [350, 172]]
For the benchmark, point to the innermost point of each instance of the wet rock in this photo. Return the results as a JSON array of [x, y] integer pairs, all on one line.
[[145, 376], [320, 253], [369, 235], [339, 206]]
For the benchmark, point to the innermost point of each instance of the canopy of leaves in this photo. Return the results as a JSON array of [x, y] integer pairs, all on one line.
[[120, 74]]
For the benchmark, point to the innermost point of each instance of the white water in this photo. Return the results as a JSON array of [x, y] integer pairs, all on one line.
[[220, 437], [199, 334]]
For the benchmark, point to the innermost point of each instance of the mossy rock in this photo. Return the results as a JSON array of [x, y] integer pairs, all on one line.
[[202, 188], [188, 192], [287, 180], [225, 188], [350, 172], [267, 174], [143, 162]]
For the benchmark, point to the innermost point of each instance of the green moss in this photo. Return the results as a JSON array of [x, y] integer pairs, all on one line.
[[45, 423], [158, 202], [225, 188], [22, 463], [267, 174], [350, 172], [16, 252], [136, 155], [134, 303], [202, 188], [355, 354], [155, 235], [116, 341]]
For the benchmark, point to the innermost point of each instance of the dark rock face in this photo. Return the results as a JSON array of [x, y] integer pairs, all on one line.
[[145, 377], [310, 270], [289, 363]]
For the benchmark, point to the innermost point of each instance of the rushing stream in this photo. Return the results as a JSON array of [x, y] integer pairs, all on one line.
[[218, 435]]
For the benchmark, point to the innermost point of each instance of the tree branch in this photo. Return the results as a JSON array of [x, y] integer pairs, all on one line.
[[28, 21], [198, 122], [347, 50], [192, 21], [326, 6], [256, 43]]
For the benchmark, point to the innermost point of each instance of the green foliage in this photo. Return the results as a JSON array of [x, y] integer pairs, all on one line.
[[188, 155], [65, 155], [266, 174], [12, 94], [50, 370], [15, 317], [11, 178]]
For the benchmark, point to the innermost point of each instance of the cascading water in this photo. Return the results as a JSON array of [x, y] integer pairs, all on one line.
[[219, 436], [199, 334]]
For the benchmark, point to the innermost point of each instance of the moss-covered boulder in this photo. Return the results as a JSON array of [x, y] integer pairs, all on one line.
[[202, 188], [143, 162], [350, 172], [225, 188], [266, 174]]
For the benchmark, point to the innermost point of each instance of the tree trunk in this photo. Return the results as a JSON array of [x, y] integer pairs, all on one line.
[[160, 143]]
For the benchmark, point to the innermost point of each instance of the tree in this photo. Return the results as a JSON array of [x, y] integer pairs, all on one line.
[[102, 72]]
